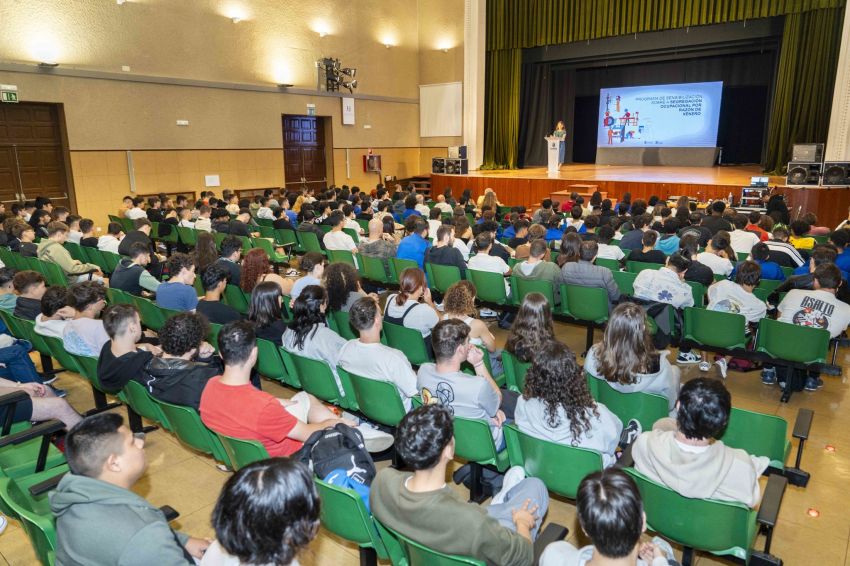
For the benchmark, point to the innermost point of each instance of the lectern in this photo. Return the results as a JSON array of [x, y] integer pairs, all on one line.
[[553, 146]]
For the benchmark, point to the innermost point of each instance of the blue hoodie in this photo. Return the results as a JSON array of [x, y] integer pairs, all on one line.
[[668, 243]]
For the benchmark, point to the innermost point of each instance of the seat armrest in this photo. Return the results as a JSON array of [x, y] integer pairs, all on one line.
[[169, 512], [39, 430], [772, 500], [552, 533], [13, 397], [46, 485], [10, 400], [803, 424]]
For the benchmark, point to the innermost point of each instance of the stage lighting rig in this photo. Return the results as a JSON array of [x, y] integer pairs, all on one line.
[[335, 75]]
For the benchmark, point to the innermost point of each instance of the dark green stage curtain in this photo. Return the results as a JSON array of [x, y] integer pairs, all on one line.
[[513, 25], [501, 111], [804, 84]]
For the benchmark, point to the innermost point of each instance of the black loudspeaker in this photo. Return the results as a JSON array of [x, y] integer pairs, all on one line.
[[803, 174], [836, 174], [457, 167], [807, 152], [438, 165]]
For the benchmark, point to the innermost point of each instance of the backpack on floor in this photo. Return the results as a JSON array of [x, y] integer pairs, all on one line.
[[338, 448]]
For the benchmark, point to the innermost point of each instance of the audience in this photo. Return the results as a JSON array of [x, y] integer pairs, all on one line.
[[98, 519], [531, 329], [412, 307], [414, 246], [265, 312], [421, 506], [685, 455], [760, 254], [336, 239], [313, 263], [256, 268], [368, 357], [742, 240], [342, 282], [782, 252], [52, 250], [606, 250], [55, 313], [178, 293], [110, 241], [716, 222], [444, 252], [231, 254], [214, 280], [556, 405], [585, 274], [647, 253], [131, 275], [84, 335], [30, 288], [666, 285], [122, 358], [266, 513]]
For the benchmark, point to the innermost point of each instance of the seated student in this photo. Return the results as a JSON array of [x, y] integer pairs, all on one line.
[[38, 221], [633, 238], [606, 249], [668, 243], [230, 405], [30, 287], [717, 254], [647, 253], [817, 307], [443, 252], [178, 292], [520, 234], [110, 241], [737, 297], [74, 234], [485, 261], [414, 246], [186, 364], [822, 254], [313, 263], [122, 358], [422, 507], [343, 285], [265, 312], [811, 219], [310, 223], [89, 239], [368, 357], [378, 244], [781, 252], [825, 253], [231, 253], [130, 274], [531, 329], [760, 254], [585, 274], [538, 268], [575, 220], [666, 285], [203, 221], [239, 226], [25, 236], [800, 237], [84, 335], [434, 222], [556, 405], [591, 225], [185, 215], [256, 267], [742, 240], [214, 280], [55, 313], [611, 515], [136, 211], [696, 272], [553, 230], [98, 519], [52, 250], [472, 396], [405, 309], [336, 239], [628, 361], [266, 513], [45, 403], [685, 455], [840, 239], [8, 298]]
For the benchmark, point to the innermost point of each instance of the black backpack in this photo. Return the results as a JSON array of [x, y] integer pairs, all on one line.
[[340, 447]]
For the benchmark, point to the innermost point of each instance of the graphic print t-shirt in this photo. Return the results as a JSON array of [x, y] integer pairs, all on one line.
[[816, 309]]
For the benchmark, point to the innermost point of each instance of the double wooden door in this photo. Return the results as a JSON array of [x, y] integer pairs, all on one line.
[[32, 153], [304, 160]]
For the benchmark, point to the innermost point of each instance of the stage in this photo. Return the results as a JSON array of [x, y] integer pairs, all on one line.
[[529, 186]]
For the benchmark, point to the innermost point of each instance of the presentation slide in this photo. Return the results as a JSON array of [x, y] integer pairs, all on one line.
[[677, 115]]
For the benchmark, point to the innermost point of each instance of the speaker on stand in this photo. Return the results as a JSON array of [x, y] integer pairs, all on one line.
[[803, 174], [836, 174]]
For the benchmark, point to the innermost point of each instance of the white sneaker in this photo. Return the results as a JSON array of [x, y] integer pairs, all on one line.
[[664, 547], [3, 524], [688, 358], [704, 366], [512, 477], [488, 313], [723, 365], [374, 439]]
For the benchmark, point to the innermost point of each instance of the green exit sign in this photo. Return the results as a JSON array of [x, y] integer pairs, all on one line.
[[8, 93]]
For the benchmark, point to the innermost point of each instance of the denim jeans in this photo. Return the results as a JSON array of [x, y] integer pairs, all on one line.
[[17, 362]]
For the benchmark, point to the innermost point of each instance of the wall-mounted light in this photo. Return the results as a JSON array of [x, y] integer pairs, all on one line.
[[388, 45], [321, 27], [235, 19], [46, 65], [120, 2], [444, 45], [284, 85]]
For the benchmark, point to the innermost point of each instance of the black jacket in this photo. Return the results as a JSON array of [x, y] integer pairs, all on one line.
[[446, 255], [178, 381]]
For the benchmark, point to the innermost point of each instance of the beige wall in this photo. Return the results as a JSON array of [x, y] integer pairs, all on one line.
[[232, 132]]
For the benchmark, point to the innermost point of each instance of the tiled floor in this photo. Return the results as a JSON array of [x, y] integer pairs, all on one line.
[[190, 482]]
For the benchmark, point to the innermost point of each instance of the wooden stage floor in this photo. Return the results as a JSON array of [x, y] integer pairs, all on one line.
[[732, 175]]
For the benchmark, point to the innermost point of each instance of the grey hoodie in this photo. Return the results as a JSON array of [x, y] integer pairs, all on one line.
[[98, 523]]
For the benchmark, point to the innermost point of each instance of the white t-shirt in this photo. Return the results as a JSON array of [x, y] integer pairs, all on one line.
[[108, 243], [380, 362], [461, 246], [491, 263], [135, 213], [339, 241], [607, 251], [742, 241], [444, 207], [75, 236], [433, 226], [719, 265], [421, 317], [728, 296], [54, 328], [817, 309]]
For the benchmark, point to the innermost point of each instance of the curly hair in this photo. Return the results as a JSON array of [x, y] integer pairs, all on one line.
[[557, 380], [206, 253], [532, 327], [307, 314], [178, 262], [460, 298], [267, 512], [626, 348], [182, 332], [254, 266], [341, 279], [82, 295]]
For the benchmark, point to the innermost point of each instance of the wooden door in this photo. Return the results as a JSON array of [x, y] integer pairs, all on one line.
[[304, 160], [32, 153]]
